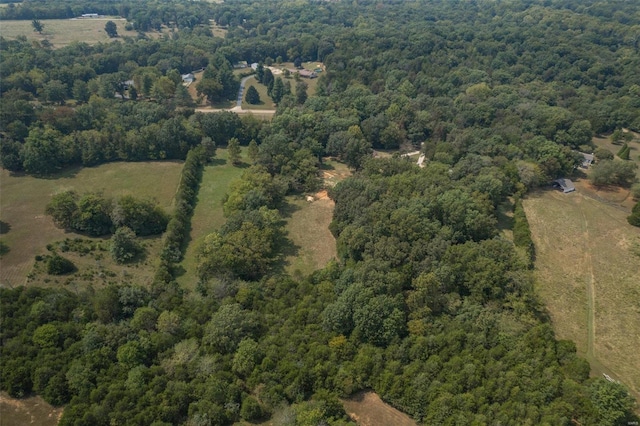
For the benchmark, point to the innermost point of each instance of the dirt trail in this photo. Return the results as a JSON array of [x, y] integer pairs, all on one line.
[[591, 293]]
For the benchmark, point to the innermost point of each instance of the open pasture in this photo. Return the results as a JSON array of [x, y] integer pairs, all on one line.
[[24, 199], [587, 274], [62, 32]]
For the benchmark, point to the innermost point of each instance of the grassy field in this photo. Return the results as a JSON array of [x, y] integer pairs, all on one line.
[[367, 409], [208, 215], [27, 411], [61, 32], [24, 199], [308, 229], [587, 275]]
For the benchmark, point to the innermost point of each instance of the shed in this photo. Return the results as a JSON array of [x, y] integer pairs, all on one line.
[[587, 160], [564, 184], [188, 78]]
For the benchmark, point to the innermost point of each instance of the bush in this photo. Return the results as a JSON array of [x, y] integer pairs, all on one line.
[[58, 265], [124, 246], [251, 409], [603, 154]]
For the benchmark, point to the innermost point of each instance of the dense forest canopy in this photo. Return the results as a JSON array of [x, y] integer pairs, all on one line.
[[427, 304]]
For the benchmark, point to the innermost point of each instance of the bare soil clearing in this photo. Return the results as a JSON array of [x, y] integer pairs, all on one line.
[[24, 198], [367, 409], [27, 411], [589, 278]]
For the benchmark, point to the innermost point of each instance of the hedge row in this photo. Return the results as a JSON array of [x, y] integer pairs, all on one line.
[[522, 232], [179, 224]]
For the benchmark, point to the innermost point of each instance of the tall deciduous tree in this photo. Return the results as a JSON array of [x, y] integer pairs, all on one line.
[[37, 26], [111, 29], [233, 151]]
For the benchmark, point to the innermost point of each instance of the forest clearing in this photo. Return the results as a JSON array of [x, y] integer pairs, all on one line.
[[24, 199], [34, 410], [587, 276], [62, 32]]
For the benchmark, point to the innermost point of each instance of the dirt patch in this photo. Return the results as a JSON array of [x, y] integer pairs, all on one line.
[[28, 411], [368, 409], [587, 275]]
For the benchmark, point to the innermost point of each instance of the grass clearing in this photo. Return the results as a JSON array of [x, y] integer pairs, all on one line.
[[208, 215], [24, 199], [62, 32], [308, 229], [33, 410], [634, 146], [587, 275], [265, 100], [368, 409]]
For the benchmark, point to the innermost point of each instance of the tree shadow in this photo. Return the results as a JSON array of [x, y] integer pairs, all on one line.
[[287, 209], [5, 227], [217, 162], [66, 173]]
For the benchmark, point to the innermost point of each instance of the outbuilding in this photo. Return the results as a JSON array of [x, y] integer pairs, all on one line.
[[565, 185]]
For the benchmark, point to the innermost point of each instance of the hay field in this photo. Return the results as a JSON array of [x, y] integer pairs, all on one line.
[[24, 198], [588, 275], [62, 32]]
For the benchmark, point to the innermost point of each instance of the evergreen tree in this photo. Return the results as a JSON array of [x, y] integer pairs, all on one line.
[[254, 151], [253, 97]]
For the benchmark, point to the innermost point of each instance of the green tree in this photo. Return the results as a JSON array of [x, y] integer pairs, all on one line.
[[277, 91], [111, 29], [253, 97], [58, 265], [233, 151], [611, 172], [123, 245], [301, 92], [253, 151], [62, 208], [37, 26]]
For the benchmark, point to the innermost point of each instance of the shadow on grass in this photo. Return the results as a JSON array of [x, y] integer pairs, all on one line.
[[4, 227], [287, 209]]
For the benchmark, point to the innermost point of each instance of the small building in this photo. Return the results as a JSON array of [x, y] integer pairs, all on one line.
[[89, 15], [129, 83], [565, 185], [307, 74], [587, 160], [240, 65], [188, 78]]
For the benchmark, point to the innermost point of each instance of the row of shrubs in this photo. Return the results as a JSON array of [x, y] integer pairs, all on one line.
[[634, 218], [179, 224], [522, 232]]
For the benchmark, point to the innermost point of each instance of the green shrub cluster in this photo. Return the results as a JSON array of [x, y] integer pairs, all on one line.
[[178, 227], [95, 215], [522, 232], [58, 265]]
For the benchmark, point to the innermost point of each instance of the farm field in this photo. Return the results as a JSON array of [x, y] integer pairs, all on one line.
[[20, 412], [62, 32], [24, 199], [208, 215], [587, 275]]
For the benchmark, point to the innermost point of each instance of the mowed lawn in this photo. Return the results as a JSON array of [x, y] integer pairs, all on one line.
[[23, 200], [588, 276], [62, 32], [208, 215]]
